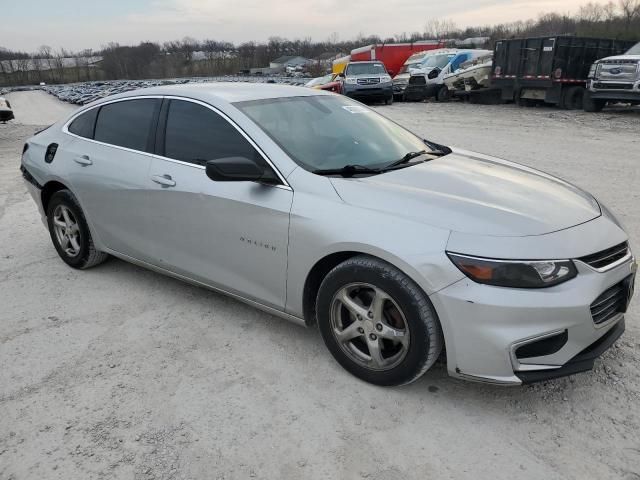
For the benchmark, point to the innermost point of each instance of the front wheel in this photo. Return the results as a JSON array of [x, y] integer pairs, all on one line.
[[572, 98], [70, 233], [388, 100], [377, 323], [592, 104], [443, 94]]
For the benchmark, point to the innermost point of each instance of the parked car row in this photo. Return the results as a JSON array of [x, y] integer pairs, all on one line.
[[567, 71], [87, 92]]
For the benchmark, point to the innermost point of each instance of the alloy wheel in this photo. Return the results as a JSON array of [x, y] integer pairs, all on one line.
[[67, 230], [369, 326]]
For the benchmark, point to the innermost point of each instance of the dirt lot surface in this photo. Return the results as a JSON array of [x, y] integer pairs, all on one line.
[[38, 108], [119, 373]]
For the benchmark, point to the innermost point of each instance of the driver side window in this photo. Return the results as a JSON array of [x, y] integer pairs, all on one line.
[[196, 134]]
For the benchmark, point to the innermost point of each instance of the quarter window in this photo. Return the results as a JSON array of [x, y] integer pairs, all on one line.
[[129, 123], [83, 125], [196, 134]]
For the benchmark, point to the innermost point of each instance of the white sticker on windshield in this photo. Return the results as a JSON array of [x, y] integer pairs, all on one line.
[[355, 109]]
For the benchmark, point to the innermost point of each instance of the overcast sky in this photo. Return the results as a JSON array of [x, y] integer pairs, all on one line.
[[78, 24]]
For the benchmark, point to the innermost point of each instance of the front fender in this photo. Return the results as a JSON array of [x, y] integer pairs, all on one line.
[[323, 225]]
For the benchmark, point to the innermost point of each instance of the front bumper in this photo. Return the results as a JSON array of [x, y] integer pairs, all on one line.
[[582, 362], [418, 92], [379, 91], [485, 325], [399, 88], [610, 90]]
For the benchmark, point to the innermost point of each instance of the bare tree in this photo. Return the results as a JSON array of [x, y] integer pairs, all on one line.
[[630, 11], [591, 12], [439, 28]]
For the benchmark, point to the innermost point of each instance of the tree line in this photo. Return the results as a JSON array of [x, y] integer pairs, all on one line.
[[191, 57]]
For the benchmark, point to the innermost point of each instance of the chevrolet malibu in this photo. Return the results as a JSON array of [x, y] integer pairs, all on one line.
[[313, 207]]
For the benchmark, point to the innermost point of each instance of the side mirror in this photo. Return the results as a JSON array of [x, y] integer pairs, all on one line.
[[433, 73], [341, 75], [234, 169]]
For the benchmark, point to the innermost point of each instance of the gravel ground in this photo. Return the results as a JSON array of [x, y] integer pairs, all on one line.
[[120, 373]]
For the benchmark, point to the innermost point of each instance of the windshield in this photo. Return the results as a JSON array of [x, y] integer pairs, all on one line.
[[366, 69], [328, 132], [438, 61], [635, 50]]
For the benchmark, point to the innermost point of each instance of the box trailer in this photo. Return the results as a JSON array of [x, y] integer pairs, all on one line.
[[550, 69], [393, 55]]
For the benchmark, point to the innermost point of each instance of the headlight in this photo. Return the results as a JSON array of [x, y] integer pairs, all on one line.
[[515, 273], [351, 80], [385, 79], [592, 71]]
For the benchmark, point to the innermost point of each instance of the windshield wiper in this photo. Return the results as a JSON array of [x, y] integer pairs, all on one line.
[[347, 170], [411, 155]]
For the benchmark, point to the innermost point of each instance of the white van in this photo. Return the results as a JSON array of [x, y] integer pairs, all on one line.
[[427, 75]]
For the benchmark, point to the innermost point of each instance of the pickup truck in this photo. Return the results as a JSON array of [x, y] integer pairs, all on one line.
[[615, 78]]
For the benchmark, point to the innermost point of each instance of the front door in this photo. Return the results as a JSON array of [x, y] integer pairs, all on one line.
[[230, 235]]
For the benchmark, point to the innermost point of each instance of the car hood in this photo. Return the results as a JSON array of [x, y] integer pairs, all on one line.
[[402, 77], [625, 58], [473, 193]]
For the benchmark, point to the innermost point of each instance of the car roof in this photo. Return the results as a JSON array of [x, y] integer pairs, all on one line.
[[229, 92]]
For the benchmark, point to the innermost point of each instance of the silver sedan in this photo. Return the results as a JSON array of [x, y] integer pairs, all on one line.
[[316, 208]]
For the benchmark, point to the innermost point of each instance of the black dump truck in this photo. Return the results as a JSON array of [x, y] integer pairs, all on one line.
[[550, 69]]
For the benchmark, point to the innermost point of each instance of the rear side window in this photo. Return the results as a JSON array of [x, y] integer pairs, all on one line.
[[196, 134], [128, 124], [83, 125]]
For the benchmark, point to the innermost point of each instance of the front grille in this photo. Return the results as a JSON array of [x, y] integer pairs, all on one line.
[[368, 81], [619, 62], [612, 301], [613, 86], [417, 80], [606, 257]]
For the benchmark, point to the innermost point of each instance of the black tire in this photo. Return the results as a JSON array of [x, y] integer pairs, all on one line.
[[443, 94], [572, 98], [425, 341], [592, 104], [87, 256], [389, 100]]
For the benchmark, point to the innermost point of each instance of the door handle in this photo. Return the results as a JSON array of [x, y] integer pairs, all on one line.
[[83, 160], [164, 180]]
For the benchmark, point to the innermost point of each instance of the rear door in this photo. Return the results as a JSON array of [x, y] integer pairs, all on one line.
[[230, 235], [109, 172]]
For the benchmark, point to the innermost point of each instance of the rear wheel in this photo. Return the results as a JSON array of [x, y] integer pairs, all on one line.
[[377, 323], [70, 233]]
